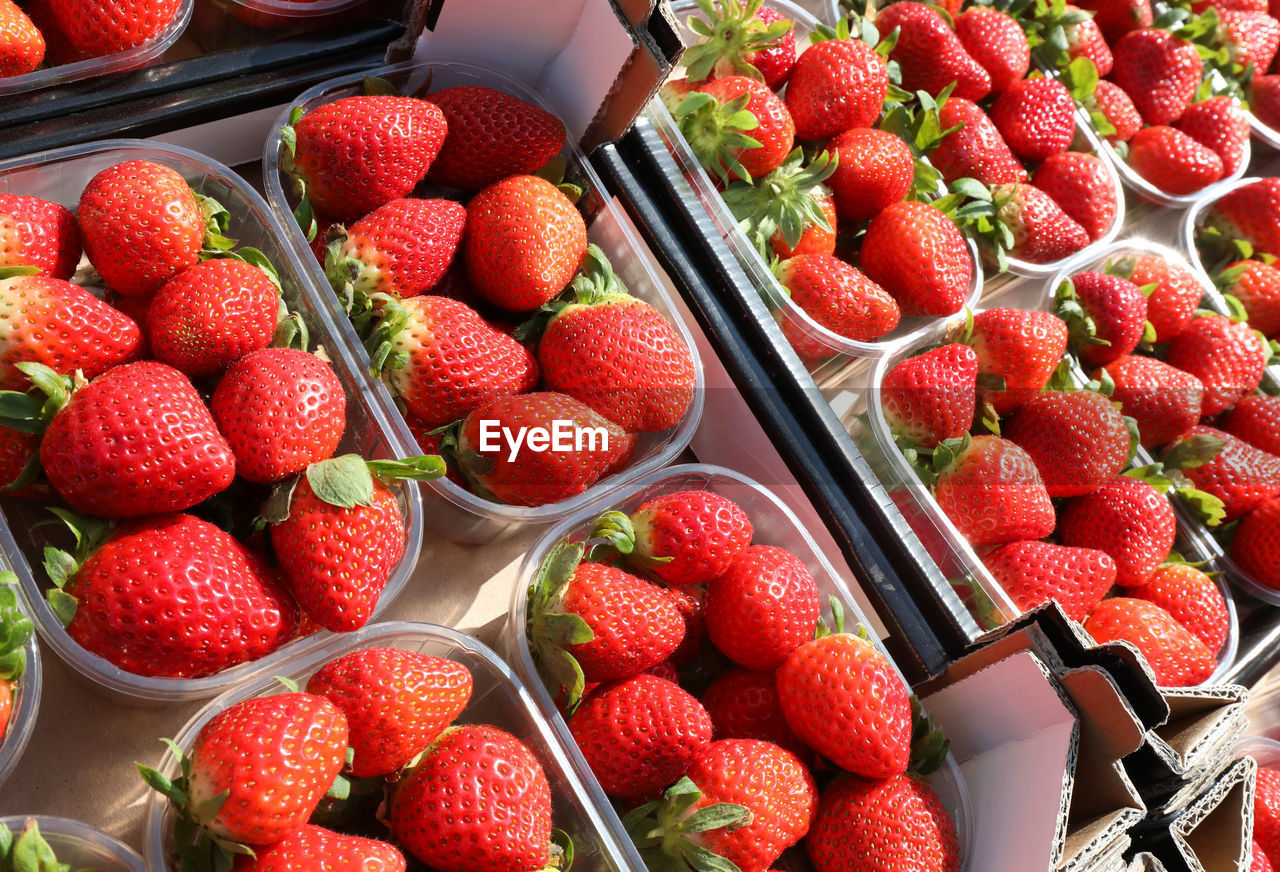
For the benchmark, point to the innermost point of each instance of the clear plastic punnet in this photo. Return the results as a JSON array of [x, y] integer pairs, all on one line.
[[22, 717], [80, 845], [60, 176]]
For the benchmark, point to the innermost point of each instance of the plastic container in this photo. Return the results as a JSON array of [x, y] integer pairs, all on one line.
[[80, 845], [775, 524], [139, 56], [455, 512], [22, 717], [498, 698], [219, 25], [1261, 748], [60, 176]]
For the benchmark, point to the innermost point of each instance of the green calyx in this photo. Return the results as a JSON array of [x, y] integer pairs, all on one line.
[[62, 566], [596, 284], [15, 630], [665, 830], [32, 411], [13, 272], [717, 133], [916, 119], [347, 481], [217, 220], [617, 533], [29, 851], [550, 630], [987, 214], [303, 213], [1081, 328], [787, 200], [929, 746], [1167, 476], [1047, 24], [729, 34]]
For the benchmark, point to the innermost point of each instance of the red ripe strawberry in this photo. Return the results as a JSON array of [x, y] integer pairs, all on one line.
[[492, 135], [768, 781], [64, 327], [815, 239], [1266, 813], [916, 253], [837, 297], [1252, 37], [564, 459], [746, 38], [1128, 519], [281, 410], [1193, 600], [930, 53], [137, 440], [875, 171], [1227, 356], [1036, 117], [689, 537], [1172, 303], [1256, 420], [1172, 161], [1251, 213], [358, 153], [775, 61], [1081, 184], [881, 826], [762, 608], [690, 603], [836, 85], [775, 131], [17, 451], [1115, 105], [524, 242], [844, 699], [21, 43], [174, 596], [1023, 347], [1220, 125], [141, 226], [1177, 657], [997, 42], [1042, 232], [339, 543], [1257, 286], [932, 396], [993, 493], [1032, 573], [402, 248], [1118, 310], [639, 735], [1163, 400], [1259, 861], [1085, 40], [617, 354], [1117, 17], [1255, 547], [744, 705], [976, 150], [1078, 439], [1240, 475], [396, 702], [211, 315], [298, 851], [102, 30], [1159, 71], [478, 802], [35, 232], [1264, 99], [1228, 5]]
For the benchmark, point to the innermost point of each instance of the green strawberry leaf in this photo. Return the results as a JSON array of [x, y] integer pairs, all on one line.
[[616, 534], [275, 509], [343, 481], [929, 746], [549, 629], [664, 832], [31, 853], [375, 86], [12, 272], [424, 467], [1206, 507], [1192, 452]]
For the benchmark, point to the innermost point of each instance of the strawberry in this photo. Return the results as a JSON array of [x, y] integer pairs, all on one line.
[[974, 148], [1250, 213], [844, 699], [1252, 37], [1128, 519], [1084, 39], [1264, 99], [298, 851], [98, 30], [1022, 347], [1081, 184], [992, 492], [141, 225], [1266, 813], [209, 316], [1256, 420], [137, 440], [280, 410], [744, 704], [1032, 573], [1042, 232], [1177, 657], [916, 253], [402, 248], [35, 232], [1259, 861], [1116, 310], [1078, 439], [357, 153], [839, 298], [1172, 161], [790, 211], [1159, 71], [743, 37], [762, 608], [492, 135], [1240, 475], [524, 243], [814, 239], [19, 453], [1257, 286], [686, 537], [639, 735], [867, 825], [1191, 598], [1172, 302], [1110, 100], [1036, 117], [61, 325], [931, 397], [836, 85], [997, 42], [617, 354], [1220, 125], [396, 702], [874, 170], [690, 602], [1255, 547], [1227, 356], [1115, 18], [22, 46], [1162, 400], [773, 133], [929, 52], [585, 450], [1202, 6]]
